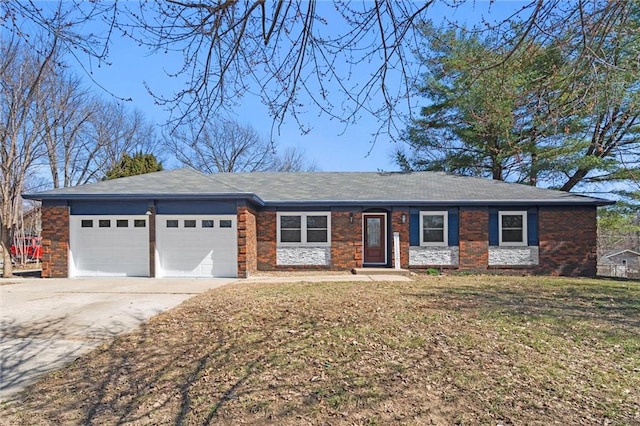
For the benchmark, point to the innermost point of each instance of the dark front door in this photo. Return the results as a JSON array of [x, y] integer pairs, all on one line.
[[374, 239]]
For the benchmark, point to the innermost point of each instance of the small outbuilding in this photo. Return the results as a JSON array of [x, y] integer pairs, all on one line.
[[623, 263], [628, 258], [182, 223]]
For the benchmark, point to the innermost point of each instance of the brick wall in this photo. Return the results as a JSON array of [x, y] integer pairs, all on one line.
[[247, 242], [474, 238], [55, 242], [567, 241], [266, 241], [403, 229], [346, 240]]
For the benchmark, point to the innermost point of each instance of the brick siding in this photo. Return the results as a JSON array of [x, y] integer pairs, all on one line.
[[346, 240], [55, 242], [403, 229], [567, 241], [474, 239], [266, 240], [247, 242]]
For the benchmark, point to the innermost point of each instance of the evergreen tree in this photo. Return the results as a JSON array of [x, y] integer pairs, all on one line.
[[137, 165], [563, 109]]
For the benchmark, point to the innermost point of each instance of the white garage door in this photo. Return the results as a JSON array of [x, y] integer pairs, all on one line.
[[200, 246], [110, 246]]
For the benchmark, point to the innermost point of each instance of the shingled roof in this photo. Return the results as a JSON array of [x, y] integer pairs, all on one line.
[[321, 188]]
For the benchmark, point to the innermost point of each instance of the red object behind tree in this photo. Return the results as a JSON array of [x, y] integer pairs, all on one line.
[[27, 249]]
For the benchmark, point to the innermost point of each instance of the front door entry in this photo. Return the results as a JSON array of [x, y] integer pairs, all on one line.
[[375, 246]]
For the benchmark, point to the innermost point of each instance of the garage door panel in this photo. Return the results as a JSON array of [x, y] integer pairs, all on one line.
[[197, 246], [225, 269], [109, 251], [180, 263]]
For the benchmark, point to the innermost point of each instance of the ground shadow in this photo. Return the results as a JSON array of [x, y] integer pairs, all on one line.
[[30, 350]]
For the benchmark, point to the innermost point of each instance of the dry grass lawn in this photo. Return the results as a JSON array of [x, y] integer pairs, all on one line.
[[438, 350]]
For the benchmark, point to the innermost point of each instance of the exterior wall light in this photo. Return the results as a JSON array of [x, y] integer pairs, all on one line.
[[351, 217], [403, 218]]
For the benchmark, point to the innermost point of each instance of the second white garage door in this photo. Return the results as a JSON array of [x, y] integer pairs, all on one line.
[[196, 246]]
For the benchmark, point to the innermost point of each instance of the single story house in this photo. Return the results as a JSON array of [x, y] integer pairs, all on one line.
[[182, 223]]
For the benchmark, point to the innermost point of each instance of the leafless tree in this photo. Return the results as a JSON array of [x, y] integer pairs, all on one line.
[[21, 105], [294, 160], [343, 58], [111, 131], [47, 120], [85, 135], [227, 146], [289, 53], [66, 117]]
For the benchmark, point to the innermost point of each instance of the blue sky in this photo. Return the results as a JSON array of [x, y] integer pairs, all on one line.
[[331, 145]]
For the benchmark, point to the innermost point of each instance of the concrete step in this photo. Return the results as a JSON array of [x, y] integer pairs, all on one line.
[[380, 271]]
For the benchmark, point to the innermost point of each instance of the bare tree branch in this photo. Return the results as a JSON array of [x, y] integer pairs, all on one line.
[[225, 146], [21, 107]]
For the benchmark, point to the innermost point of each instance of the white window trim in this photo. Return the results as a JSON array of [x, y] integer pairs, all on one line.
[[525, 237], [303, 229], [443, 213]]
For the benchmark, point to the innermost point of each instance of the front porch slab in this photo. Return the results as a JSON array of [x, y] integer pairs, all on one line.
[[380, 271]]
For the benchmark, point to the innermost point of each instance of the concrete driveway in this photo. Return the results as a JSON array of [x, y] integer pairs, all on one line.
[[49, 323]]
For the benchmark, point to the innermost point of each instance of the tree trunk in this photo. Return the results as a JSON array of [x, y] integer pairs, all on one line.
[[575, 179], [5, 243], [533, 173], [496, 169]]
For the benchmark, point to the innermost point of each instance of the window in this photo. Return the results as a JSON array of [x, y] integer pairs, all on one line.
[[104, 223], [140, 223], [512, 228], [190, 223], [207, 223], [434, 229], [225, 223], [87, 223], [304, 228], [172, 223], [317, 229], [291, 229], [122, 223]]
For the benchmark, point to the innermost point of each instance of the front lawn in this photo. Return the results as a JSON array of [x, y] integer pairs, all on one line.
[[439, 350]]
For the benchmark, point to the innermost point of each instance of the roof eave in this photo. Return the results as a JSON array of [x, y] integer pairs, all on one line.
[[588, 201], [148, 196], [437, 203], [620, 252]]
